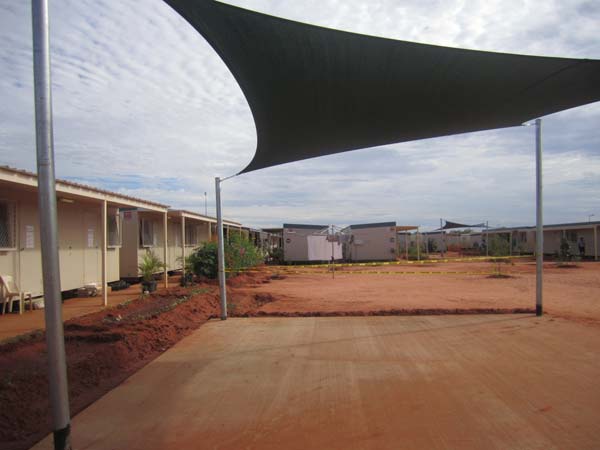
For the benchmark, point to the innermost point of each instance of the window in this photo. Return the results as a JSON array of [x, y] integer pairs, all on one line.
[[147, 233], [191, 235], [114, 230], [8, 218], [523, 236], [571, 236]]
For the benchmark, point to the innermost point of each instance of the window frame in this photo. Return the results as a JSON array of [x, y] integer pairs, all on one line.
[[11, 222], [119, 226], [152, 233]]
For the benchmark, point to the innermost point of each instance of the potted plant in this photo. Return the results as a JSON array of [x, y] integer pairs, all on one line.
[[188, 278], [148, 267]]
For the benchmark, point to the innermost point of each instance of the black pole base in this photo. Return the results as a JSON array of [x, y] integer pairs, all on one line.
[[538, 310], [62, 438]]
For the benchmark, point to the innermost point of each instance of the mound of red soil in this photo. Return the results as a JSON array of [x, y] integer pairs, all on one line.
[[103, 349]]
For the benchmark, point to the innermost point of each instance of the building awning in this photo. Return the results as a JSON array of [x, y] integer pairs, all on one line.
[[315, 91]]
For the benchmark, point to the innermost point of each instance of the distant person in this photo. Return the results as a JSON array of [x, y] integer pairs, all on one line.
[[581, 245]]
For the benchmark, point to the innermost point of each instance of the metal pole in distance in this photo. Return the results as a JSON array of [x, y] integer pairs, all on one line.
[[221, 251], [487, 238], [57, 367], [539, 241]]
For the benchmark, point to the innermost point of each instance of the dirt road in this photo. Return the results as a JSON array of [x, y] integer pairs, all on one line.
[[438, 382]]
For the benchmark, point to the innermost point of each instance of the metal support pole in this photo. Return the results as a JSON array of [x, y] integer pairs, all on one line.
[[442, 238], [166, 247], [406, 236], [596, 243], [183, 246], [539, 241], [221, 251], [418, 246], [487, 238], [57, 366], [104, 215]]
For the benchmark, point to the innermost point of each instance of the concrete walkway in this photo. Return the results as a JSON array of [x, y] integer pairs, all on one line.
[[437, 382]]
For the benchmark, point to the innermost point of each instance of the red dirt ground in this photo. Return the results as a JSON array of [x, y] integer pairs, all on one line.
[[103, 349], [106, 347], [571, 293]]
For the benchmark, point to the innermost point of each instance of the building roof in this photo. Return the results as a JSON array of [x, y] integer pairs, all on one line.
[[31, 180], [198, 216], [304, 226], [546, 226], [360, 226]]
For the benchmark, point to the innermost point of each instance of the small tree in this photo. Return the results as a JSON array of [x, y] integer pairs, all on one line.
[[498, 247]]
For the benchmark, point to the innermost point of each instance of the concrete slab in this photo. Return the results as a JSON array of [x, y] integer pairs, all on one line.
[[436, 382]]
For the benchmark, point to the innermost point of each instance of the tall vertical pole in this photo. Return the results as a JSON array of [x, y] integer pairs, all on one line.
[[221, 251], [183, 246], [442, 239], [418, 246], [166, 247], [57, 366], [104, 240], [487, 238], [539, 241], [595, 243]]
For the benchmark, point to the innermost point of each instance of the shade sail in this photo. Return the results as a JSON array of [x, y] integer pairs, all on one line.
[[315, 91], [451, 225]]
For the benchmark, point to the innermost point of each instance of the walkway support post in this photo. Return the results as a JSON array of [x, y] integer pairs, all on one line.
[[57, 367], [166, 247], [182, 246], [539, 241], [221, 251], [104, 215]]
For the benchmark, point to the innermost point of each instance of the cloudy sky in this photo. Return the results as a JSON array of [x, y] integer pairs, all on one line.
[[143, 106]]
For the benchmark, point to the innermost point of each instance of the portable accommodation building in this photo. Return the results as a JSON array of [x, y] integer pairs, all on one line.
[[308, 243], [371, 242], [523, 239], [90, 232], [144, 231]]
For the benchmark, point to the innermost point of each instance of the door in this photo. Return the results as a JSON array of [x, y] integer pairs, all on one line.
[[91, 248]]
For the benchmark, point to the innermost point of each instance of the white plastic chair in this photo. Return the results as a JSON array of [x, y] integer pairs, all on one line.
[[12, 294]]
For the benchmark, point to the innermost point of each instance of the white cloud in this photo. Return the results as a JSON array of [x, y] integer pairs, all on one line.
[[144, 106]]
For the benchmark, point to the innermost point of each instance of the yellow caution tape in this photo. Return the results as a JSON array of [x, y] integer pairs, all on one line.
[[398, 263], [369, 272]]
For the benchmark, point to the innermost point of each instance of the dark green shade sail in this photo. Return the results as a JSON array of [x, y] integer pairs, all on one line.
[[315, 91]]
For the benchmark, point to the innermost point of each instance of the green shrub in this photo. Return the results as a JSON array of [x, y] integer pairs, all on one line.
[[498, 247], [276, 256], [413, 255], [240, 253], [203, 261]]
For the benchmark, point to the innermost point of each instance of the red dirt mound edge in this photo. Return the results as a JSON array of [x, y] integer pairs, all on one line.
[[103, 349]]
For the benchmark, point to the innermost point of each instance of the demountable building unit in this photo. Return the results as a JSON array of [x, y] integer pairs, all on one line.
[[144, 231], [89, 232], [522, 239], [371, 242], [308, 243], [187, 231]]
